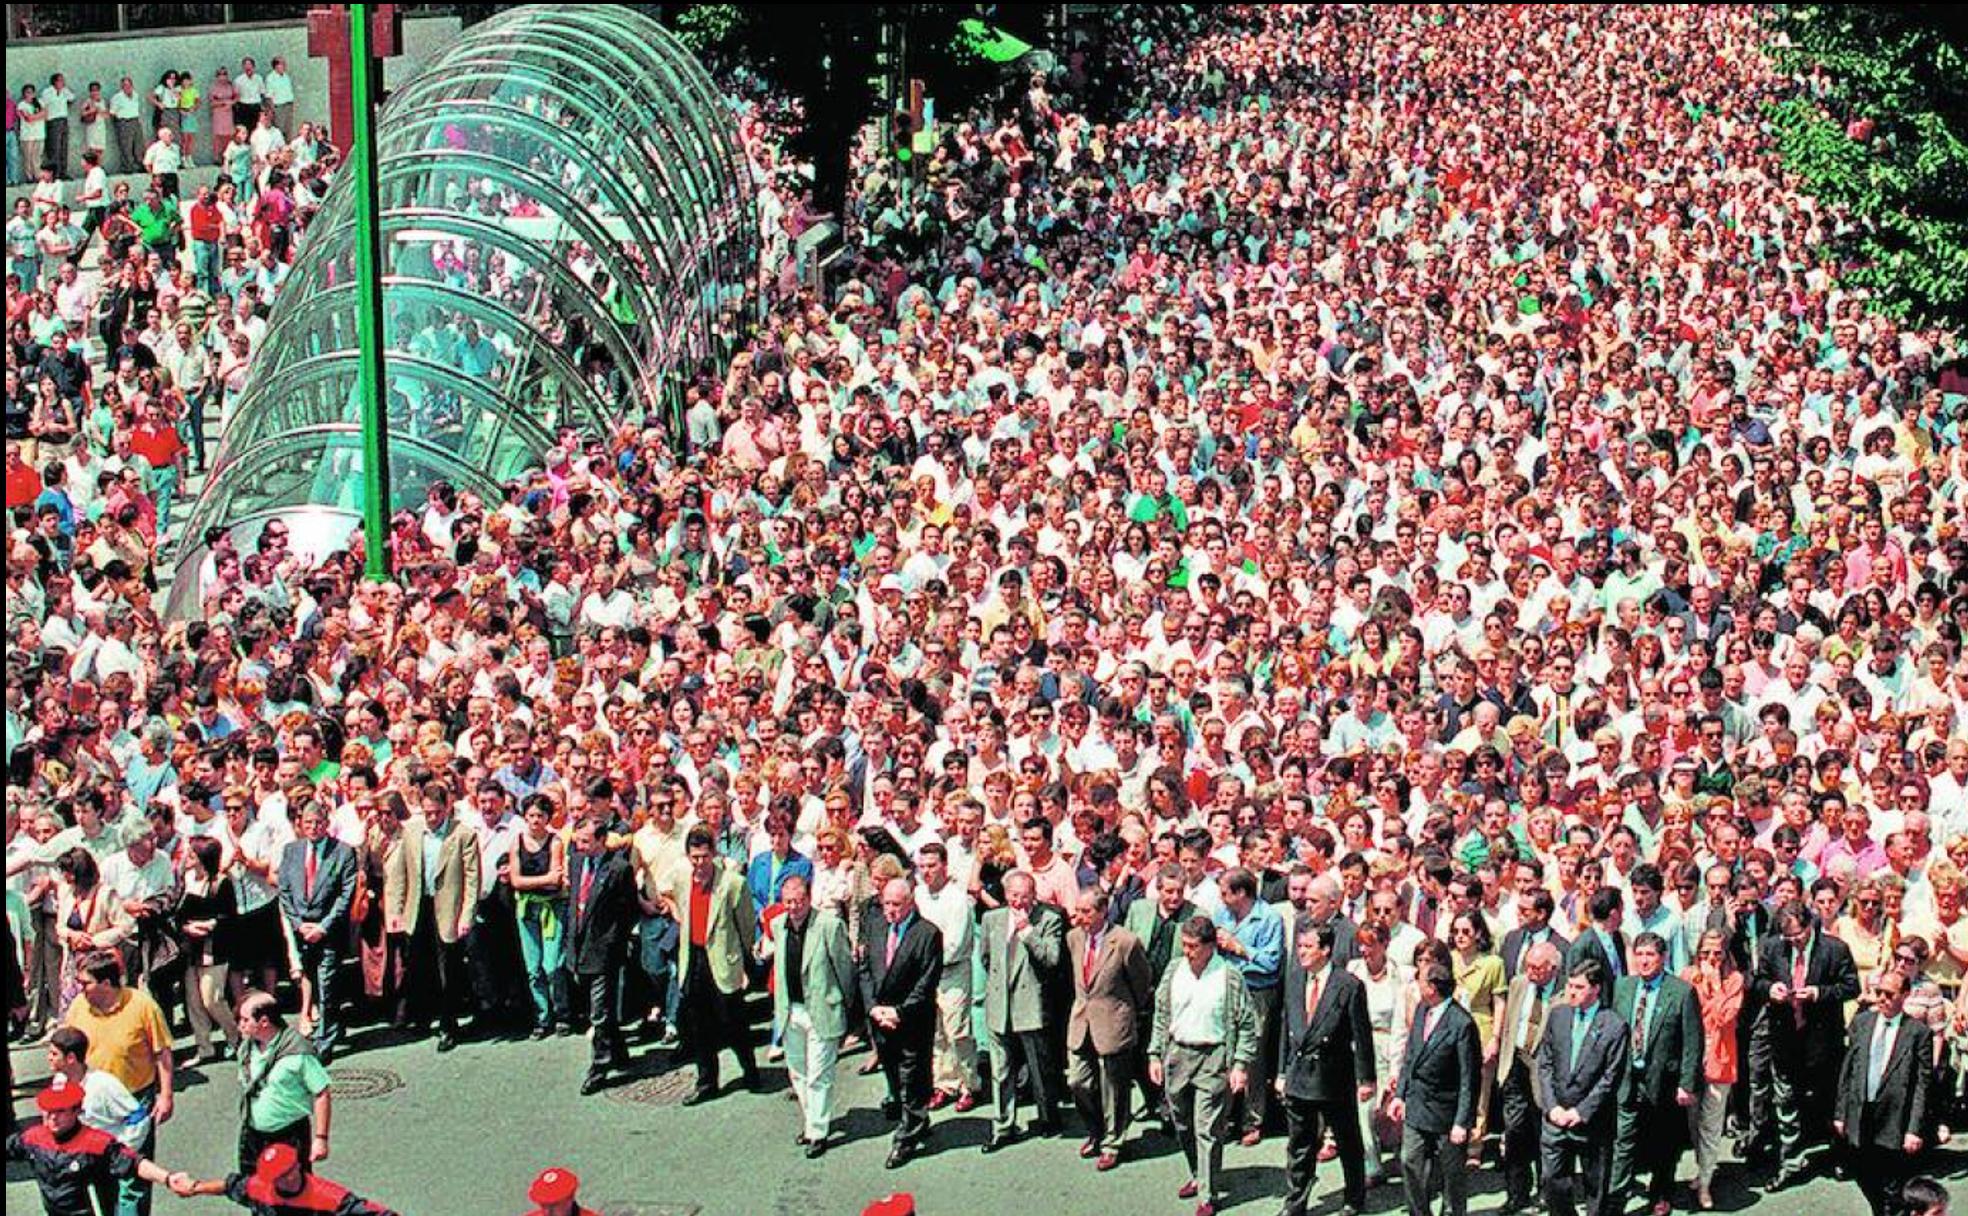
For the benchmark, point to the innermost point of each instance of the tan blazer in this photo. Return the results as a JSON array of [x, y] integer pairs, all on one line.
[[733, 925], [456, 898], [1108, 1010], [1521, 990]]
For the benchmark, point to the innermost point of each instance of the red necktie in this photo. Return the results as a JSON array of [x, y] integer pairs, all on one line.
[[1092, 959], [1312, 998], [1796, 982], [587, 885], [894, 940], [307, 881]]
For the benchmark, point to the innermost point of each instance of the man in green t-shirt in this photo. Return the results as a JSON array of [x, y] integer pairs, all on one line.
[[286, 1089], [156, 219]]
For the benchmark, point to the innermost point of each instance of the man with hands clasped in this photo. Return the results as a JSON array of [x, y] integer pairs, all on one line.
[[1662, 1078]]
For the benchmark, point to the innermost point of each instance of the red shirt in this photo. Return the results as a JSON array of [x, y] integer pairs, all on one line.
[[206, 221], [700, 916], [23, 485], [159, 445]]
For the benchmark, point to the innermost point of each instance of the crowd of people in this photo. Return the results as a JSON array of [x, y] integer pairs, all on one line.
[[1383, 600]]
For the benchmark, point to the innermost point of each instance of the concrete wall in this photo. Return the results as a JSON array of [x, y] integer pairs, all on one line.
[[145, 57]]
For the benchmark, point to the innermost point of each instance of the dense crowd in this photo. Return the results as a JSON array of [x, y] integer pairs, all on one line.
[[1386, 594]]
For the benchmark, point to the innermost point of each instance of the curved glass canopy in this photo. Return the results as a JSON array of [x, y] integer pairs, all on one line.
[[566, 216]]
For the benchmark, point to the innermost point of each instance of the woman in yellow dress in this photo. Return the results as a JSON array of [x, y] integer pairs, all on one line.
[[1481, 987]]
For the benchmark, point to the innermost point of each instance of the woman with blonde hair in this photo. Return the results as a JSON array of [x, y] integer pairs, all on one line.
[[1718, 986]]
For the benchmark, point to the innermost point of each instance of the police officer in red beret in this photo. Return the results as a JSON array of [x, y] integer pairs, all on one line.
[[554, 1190], [280, 1185]]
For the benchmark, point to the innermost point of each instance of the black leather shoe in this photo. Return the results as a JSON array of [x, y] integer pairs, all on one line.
[[1785, 1179], [592, 1083], [899, 1156], [699, 1096], [1000, 1142], [816, 1149], [445, 1040]]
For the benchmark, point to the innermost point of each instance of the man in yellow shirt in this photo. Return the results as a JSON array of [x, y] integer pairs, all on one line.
[[130, 1040]]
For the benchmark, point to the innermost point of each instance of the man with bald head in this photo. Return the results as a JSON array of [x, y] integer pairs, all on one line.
[[1525, 1009], [900, 965]]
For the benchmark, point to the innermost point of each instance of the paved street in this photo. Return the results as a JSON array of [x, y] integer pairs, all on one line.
[[519, 1111]]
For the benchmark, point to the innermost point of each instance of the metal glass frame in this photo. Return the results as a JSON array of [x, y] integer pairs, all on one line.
[[614, 143]]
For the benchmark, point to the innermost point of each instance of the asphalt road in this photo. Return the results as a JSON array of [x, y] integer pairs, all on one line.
[[462, 1134]]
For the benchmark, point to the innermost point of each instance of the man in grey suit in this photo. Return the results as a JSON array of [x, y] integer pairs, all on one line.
[[1663, 1075], [812, 972], [1200, 1051], [317, 879], [1024, 948], [1435, 1102], [1579, 1067]]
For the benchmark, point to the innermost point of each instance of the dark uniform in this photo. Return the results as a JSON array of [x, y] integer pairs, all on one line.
[[78, 1174], [257, 1194]]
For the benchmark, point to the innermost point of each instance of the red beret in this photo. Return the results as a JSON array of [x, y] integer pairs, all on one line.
[[903, 1204], [554, 1185], [59, 1097], [276, 1160]]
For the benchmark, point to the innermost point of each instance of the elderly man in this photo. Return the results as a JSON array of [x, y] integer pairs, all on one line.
[[1526, 1011], [1024, 956], [812, 974], [901, 961], [1200, 1051]]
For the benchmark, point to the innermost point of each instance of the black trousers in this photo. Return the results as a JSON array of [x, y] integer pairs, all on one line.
[[606, 1049], [440, 973], [253, 1142], [1521, 1120], [713, 1022], [905, 1054], [1577, 1164], [1880, 1173], [1648, 1138], [498, 976], [1305, 1127]]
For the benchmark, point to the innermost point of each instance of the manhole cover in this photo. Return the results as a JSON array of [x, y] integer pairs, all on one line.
[[358, 1084], [664, 1089]]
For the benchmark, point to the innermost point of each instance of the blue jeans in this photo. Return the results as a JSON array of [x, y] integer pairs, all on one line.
[[545, 961], [659, 955], [205, 265]]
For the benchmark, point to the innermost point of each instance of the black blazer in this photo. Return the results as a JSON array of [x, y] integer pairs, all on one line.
[[1587, 946], [1901, 1105], [334, 885], [1439, 1077], [1674, 1042], [1515, 942], [1746, 939], [1830, 970], [909, 983], [1331, 1058], [1591, 1087], [598, 934]]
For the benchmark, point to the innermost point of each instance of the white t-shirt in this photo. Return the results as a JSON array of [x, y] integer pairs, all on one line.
[[279, 89], [95, 188], [125, 105], [163, 158], [57, 101], [252, 88]]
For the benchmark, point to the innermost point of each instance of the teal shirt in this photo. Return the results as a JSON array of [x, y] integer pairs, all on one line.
[[289, 1093]]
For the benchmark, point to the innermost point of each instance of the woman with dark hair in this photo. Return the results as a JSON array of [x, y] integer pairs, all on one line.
[[87, 918], [206, 914], [1481, 988]]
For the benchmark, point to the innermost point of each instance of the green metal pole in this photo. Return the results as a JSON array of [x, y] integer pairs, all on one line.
[[369, 305]]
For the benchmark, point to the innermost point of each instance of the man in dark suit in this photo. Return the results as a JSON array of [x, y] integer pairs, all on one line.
[[1580, 1066], [602, 908], [1024, 949], [1804, 976], [1527, 1011], [1325, 1066], [1602, 942], [1663, 1077], [1534, 911], [317, 884], [1883, 1092], [1436, 1100], [1157, 919], [900, 968], [1111, 990]]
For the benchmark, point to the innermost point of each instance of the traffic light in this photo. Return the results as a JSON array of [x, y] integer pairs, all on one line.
[[907, 122]]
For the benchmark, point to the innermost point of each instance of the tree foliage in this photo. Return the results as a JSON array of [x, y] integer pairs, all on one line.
[[1880, 128]]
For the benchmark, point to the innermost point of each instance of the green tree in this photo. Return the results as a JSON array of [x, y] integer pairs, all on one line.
[[1880, 128]]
